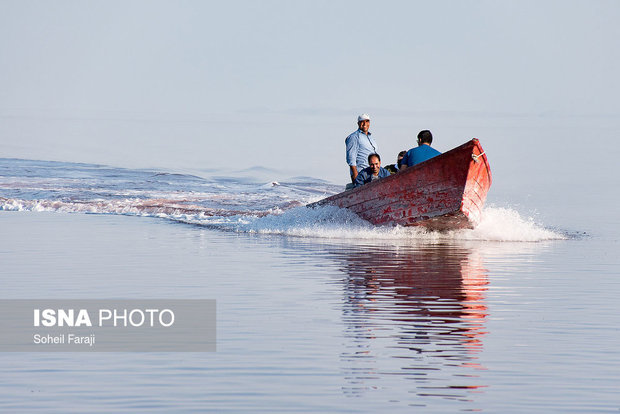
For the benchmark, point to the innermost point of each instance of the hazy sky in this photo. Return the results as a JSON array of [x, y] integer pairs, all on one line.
[[199, 84]]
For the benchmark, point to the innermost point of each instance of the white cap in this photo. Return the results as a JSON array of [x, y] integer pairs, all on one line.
[[363, 117]]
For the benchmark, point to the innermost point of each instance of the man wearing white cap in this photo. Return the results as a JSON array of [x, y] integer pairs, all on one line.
[[359, 146]]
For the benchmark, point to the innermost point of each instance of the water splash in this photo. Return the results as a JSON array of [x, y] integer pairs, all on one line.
[[497, 224]]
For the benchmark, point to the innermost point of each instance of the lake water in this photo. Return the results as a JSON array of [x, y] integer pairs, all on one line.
[[317, 311]]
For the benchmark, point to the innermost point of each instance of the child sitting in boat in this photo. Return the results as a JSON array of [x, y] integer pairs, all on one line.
[[393, 168]]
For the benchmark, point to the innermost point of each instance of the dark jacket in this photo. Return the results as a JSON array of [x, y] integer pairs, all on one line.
[[365, 176]]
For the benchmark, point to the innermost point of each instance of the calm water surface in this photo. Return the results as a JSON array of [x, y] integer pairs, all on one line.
[[323, 324]]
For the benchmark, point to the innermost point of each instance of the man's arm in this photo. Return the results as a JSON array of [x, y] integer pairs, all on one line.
[[353, 169], [352, 146], [404, 162]]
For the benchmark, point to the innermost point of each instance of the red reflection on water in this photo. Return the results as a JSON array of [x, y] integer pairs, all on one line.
[[421, 307]]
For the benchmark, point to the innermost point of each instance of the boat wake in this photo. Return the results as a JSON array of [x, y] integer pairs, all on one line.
[[227, 204], [329, 222]]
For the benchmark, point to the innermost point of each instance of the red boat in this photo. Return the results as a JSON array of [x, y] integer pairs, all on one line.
[[446, 192]]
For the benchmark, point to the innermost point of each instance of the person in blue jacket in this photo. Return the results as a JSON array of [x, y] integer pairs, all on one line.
[[374, 172], [422, 152]]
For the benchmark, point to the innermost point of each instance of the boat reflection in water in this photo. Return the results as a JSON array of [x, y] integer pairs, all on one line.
[[415, 313]]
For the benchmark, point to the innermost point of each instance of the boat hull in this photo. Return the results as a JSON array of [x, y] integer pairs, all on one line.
[[446, 192]]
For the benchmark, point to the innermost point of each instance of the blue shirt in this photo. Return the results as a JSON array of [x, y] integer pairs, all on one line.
[[359, 147], [365, 176], [419, 154]]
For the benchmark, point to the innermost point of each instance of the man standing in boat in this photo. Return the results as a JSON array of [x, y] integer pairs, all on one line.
[[371, 173], [422, 152], [359, 146]]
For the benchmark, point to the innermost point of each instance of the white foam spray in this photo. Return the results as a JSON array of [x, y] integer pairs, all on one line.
[[497, 224]]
